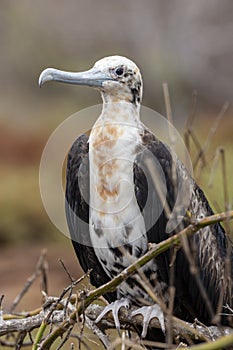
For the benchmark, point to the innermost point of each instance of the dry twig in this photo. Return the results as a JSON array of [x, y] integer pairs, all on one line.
[[41, 268]]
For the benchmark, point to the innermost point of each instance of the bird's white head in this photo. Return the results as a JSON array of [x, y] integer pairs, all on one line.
[[117, 77]]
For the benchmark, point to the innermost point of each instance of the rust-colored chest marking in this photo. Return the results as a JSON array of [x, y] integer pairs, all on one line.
[[106, 144]]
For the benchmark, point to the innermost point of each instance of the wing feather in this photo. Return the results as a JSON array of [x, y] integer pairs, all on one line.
[[208, 247]]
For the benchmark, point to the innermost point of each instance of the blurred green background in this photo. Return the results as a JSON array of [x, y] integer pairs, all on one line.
[[187, 44]]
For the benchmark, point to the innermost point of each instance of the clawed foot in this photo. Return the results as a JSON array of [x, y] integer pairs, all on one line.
[[149, 312], [114, 307]]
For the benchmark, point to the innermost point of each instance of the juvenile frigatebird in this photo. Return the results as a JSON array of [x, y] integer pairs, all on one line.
[[121, 189]]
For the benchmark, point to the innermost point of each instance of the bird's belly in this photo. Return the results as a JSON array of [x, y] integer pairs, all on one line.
[[116, 249], [118, 238], [117, 228]]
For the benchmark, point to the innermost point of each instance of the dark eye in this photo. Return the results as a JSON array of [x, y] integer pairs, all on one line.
[[119, 71]]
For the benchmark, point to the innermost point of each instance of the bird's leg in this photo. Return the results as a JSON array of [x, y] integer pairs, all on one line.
[[114, 307], [149, 312]]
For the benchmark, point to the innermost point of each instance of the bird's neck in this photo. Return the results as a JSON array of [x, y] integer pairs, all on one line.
[[119, 111]]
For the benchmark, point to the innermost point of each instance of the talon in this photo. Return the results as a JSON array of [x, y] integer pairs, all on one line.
[[114, 307], [149, 312]]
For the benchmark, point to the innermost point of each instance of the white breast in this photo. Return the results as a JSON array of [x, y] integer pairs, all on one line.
[[115, 217]]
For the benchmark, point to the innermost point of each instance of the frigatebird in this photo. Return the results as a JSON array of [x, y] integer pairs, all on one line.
[[122, 184]]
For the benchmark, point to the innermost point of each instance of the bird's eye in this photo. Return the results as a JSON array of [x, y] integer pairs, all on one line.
[[119, 71]]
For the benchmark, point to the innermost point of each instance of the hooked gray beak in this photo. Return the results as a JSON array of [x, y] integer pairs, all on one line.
[[92, 77]]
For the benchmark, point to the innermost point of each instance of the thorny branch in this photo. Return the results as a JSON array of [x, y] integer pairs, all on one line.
[[53, 311]]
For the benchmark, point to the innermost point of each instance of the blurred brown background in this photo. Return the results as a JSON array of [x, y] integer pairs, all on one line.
[[187, 44]]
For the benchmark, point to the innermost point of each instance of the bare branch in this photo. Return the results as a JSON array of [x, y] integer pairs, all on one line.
[[181, 328], [211, 133], [40, 269], [192, 112]]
